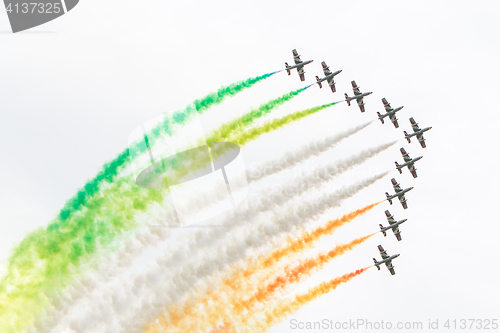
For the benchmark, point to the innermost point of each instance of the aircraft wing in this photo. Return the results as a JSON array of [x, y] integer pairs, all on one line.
[[387, 105], [331, 83], [301, 72], [406, 156], [402, 199], [361, 104], [394, 120], [413, 170], [389, 216], [421, 140], [326, 69], [296, 57], [390, 268], [395, 185], [414, 125], [355, 88], [397, 233], [383, 253]]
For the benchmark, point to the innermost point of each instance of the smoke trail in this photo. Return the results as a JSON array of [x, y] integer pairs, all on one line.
[[224, 328], [246, 120], [222, 93], [231, 302], [241, 137], [284, 308], [294, 275], [46, 259], [249, 135], [238, 245], [110, 213], [110, 169], [291, 159], [305, 241], [144, 301]]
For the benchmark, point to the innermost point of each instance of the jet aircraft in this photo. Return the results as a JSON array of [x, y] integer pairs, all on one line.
[[408, 162], [358, 96], [387, 260], [400, 193], [392, 225], [299, 64], [390, 112], [328, 76], [418, 132]]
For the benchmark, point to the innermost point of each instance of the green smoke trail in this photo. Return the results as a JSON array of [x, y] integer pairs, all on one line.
[[242, 137], [110, 169], [217, 97], [251, 134], [193, 162], [246, 120], [46, 260]]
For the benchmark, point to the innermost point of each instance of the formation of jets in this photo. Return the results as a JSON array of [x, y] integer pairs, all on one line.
[[417, 132], [358, 96], [409, 162], [299, 64], [386, 259], [391, 114], [392, 225], [328, 76]]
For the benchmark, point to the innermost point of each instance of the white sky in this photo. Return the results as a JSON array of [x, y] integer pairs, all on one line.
[[71, 96]]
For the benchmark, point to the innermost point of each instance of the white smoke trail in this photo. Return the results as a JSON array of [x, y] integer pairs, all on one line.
[[133, 248], [290, 159], [145, 238], [149, 292]]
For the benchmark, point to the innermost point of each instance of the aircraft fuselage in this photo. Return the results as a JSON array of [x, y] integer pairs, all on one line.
[[303, 63], [420, 132], [393, 225], [400, 193], [387, 260], [413, 160], [350, 98]]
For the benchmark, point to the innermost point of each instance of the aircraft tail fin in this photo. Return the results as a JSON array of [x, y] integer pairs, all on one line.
[[381, 227], [407, 136], [287, 68], [388, 198], [380, 117], [375, 261], [398, 167], [347, 99], [318, 82]]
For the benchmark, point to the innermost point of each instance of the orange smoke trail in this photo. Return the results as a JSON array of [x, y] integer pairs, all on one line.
[[294, 275], [224, 328], [305, 268], [231, 303], [238, 283], [287, 307], [294, 246], [309, 238]]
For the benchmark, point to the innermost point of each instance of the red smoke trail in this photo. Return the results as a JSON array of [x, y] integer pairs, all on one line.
[[287, 307]]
